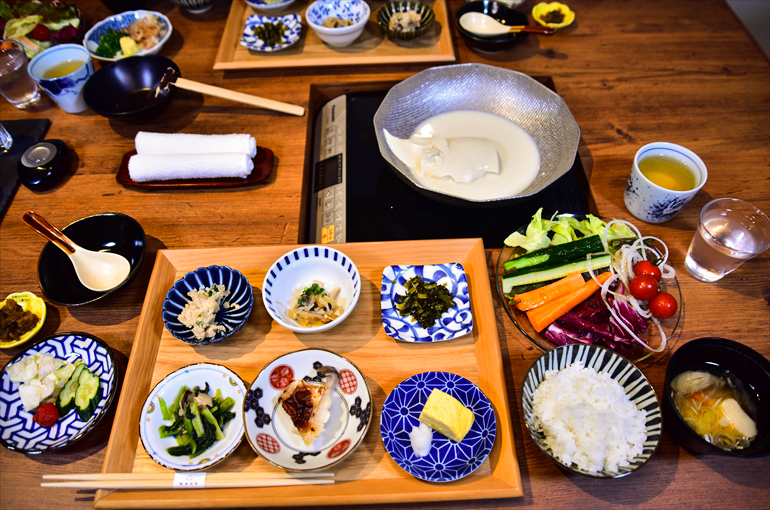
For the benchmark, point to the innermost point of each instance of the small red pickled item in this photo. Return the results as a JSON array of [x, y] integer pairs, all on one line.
[[46, 415]]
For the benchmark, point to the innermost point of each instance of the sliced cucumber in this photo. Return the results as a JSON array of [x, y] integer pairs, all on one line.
[[551, 273], [558, 254], [66, 399], [88, 394]]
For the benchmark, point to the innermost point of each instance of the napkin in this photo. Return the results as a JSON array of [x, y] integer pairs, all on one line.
[[184, 143], [164, 167]]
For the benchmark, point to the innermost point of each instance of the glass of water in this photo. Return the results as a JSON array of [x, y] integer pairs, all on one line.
[[730, 232], [16, 85]]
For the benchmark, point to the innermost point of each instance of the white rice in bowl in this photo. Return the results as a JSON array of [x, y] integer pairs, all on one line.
[[588, 419]]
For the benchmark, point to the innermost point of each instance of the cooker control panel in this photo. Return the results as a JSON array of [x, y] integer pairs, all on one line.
[[328, 178]]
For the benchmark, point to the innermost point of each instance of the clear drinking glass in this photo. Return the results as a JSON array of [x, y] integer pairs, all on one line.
[[730, 232], [16, 85]]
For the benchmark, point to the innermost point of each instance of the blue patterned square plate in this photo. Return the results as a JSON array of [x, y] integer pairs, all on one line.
[[447, 459], [218, 378], [456, 322], [231, 318], [272, 434], [292, 22], [17, 430]]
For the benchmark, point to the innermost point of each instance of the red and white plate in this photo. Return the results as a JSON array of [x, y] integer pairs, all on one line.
[[270, 431]]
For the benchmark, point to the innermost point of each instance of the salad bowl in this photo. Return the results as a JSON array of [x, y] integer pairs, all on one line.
[[632, 351]]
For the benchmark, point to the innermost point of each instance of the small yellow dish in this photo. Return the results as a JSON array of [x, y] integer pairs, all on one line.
[[542, 9], [30, 302]]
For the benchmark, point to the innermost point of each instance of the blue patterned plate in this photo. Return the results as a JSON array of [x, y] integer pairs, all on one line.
[[271, 432], [231, 318], [262, 5], [18, 431], [198, 374], [456, 322], [447, 460], [121, 21], [620, 369], [292, 22]]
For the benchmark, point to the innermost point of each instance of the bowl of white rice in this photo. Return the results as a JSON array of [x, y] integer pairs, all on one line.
[[591, 410], [208, 305]]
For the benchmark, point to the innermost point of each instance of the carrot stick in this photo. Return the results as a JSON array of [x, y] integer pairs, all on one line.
[[537, 297], [545, 314]]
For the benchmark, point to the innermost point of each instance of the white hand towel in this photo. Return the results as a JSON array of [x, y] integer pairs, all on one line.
[[164, 167], [184, 143]]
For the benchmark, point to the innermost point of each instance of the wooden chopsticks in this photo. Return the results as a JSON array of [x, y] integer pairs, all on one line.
[[175, 480]]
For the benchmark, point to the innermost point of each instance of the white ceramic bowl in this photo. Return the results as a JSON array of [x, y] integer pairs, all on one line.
[[262, 5], [297, 269], [118, 22], [357, 10]]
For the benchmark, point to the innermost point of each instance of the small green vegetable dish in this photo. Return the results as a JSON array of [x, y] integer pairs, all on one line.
[[197, 420], [81, 392], [424, 301]]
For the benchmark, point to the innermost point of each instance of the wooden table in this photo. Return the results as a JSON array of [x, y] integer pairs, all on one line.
[[632, 72]]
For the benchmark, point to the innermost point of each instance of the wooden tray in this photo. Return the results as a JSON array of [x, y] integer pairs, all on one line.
[[371, 47], [369, 475]]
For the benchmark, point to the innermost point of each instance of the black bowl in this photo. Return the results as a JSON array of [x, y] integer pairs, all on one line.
[[501, 13], [113, 232], [120, 88], [717, 355]]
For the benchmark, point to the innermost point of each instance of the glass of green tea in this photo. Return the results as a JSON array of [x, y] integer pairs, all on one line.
[[664, 177]]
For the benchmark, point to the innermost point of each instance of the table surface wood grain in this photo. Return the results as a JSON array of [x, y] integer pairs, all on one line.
[[632, 72]]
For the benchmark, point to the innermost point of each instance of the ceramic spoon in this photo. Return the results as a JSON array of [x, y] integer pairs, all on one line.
[[483, 25], [98, 271]]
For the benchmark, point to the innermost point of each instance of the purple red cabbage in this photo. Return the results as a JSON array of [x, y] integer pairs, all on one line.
[[591, 322], [65, 34]]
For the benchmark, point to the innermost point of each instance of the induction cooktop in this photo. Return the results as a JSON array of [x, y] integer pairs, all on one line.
[[350, 194]]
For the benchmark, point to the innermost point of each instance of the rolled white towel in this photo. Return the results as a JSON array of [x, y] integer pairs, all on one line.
[[164, 167], [184, 143]]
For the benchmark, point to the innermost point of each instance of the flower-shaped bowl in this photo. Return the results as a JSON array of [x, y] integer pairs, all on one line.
[[232, 318], [30, 303], [357, 12], [252, 41], [387, 11], [121, 21], [299, 268], [543, 9]]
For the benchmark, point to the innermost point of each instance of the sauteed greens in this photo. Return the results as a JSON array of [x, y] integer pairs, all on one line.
[[424, 301], [198, 420]]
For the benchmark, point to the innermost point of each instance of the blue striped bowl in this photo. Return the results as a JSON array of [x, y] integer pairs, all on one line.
[[297, 269], [633, 381], [231, 318]]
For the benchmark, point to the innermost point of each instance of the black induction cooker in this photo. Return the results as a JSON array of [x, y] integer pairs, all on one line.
[[350, 194]]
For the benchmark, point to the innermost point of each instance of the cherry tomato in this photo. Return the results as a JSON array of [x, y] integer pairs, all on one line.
[[663, 305], [646, 267], [644, 287], [46, 415], [41, 33]]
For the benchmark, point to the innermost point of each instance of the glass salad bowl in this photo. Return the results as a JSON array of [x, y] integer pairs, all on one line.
[[633, 351]]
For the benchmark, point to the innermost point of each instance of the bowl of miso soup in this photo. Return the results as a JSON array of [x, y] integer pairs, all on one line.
[[715, 398]]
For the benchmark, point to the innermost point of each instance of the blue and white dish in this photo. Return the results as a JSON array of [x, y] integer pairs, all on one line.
[[272, 434], [356, 11], [447, 459], [297, 269], [262, 5], [119, 22], [151, 418], [455, 322], [602, 360], [17, 430], [231, 318], [292, 22], [66, 90]]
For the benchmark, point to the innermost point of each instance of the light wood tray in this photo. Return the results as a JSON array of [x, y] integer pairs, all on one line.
[[371, 47], [369, 475]]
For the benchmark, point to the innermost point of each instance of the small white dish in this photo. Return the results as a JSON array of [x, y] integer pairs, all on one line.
[[292, 22], [151, 418], [357, 11], [272, 434], [454, 323], [120, 21], [262, 5], [297, 269]]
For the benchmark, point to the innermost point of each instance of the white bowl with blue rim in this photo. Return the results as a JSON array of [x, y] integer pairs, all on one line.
[[263, 5], [151, 418], [447, 460], [291, 22], [272, 434], [232, 318], [454, 323], [298, 269], [17, 429], [356, 11], [120, 21], [602, 360]]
